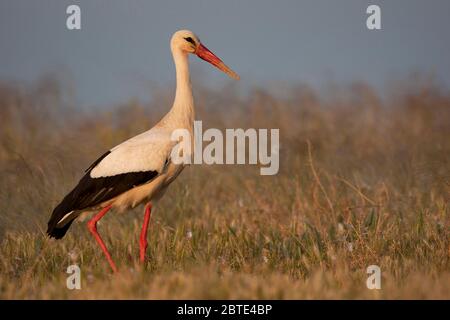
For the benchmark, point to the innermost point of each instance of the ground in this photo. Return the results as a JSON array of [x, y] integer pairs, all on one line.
[[363, 181]]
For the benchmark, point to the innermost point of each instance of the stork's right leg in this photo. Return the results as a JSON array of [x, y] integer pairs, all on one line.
[[92, 226]]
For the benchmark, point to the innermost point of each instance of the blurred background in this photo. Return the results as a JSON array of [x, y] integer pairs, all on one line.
[[364, 119], [122, 50]]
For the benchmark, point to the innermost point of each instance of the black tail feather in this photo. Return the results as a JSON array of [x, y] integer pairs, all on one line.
[[58, 213], [58, 233]]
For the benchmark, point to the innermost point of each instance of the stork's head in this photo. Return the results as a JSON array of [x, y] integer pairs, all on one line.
[[188, 42]]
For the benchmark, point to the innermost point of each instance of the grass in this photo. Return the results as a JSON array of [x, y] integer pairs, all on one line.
[[363, 180]]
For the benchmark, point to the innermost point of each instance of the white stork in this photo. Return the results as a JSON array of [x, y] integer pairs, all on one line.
[[138, 170]]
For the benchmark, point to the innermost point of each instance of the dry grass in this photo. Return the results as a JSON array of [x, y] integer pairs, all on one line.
[[362, 181]]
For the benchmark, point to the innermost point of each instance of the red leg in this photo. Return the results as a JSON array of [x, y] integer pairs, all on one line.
[[92, 226], [143, 238]]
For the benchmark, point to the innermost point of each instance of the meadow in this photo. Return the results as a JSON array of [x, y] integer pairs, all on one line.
[[364, 180]]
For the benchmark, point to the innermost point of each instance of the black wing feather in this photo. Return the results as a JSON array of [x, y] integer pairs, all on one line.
[[96, 162], [93, 191]]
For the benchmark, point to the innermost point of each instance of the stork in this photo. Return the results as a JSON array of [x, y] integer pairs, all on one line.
[[139, 170]]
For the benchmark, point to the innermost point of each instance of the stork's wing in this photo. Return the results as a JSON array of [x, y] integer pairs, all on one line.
[[130, 164], [148, 151], [135, 162]]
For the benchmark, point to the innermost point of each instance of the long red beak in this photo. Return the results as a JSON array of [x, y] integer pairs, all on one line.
[[204, 53]]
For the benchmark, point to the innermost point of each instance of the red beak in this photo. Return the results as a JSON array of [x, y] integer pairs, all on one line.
[[204, 53]]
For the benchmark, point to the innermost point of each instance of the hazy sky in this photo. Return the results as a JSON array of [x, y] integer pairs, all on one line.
[[123, 47]]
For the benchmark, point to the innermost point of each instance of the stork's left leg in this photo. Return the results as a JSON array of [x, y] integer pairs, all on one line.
[[143, 238], [92, 226]]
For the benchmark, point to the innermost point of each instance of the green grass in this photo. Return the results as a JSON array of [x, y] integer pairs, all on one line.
[[361, 182]]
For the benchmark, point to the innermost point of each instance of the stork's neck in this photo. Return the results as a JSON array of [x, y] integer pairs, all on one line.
[[182, 112]]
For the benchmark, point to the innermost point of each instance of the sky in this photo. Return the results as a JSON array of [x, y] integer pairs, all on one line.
[[122, 49]]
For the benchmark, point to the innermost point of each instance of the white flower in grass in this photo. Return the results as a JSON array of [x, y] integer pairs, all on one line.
[[189, 234], [340, 228], [350, 247]]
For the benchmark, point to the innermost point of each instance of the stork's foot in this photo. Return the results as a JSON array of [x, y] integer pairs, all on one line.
[[143, 237], [92, 226]]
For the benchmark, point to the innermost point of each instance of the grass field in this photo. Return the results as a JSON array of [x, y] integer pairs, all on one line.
[[363, 180]]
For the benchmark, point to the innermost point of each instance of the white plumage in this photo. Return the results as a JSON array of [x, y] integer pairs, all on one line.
[[145, 152]]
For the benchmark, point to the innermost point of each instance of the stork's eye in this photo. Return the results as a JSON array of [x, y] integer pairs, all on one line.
[[189, 39]]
